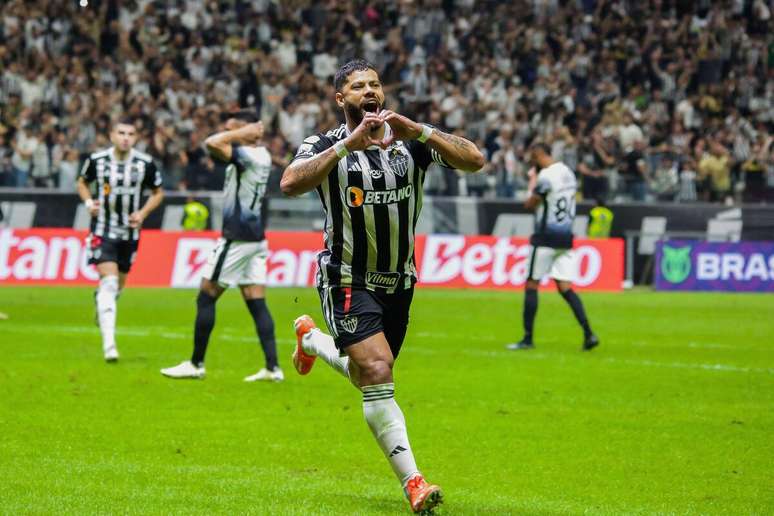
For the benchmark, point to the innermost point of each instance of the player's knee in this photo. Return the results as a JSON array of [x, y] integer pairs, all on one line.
[[210, 288], [563, 286], [532, 284], [376, 371], [109, 285]]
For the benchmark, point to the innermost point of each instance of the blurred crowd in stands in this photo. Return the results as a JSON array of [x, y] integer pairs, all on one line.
[[646, 100]]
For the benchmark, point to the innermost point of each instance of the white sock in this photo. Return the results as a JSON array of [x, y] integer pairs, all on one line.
[[106, 310], [321, 344], [388, 425]]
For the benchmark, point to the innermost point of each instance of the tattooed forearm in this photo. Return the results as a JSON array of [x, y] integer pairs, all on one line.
[[457, 151], [303, 176], [460, 144], [307, 169]]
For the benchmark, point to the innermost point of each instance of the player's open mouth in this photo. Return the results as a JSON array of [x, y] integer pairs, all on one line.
[[370, 106]]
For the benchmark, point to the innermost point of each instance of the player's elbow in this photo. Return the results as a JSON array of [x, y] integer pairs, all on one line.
[[211, 145], [289, 183], [475, 162], [478, 160], [217, 149]]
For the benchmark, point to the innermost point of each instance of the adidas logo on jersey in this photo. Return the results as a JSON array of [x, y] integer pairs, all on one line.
[[357, 197]]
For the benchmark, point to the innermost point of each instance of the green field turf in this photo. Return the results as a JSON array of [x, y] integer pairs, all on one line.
[[674, 413]]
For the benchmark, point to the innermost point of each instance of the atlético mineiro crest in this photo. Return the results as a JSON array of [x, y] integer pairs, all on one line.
[[398, 161], [349, 324]]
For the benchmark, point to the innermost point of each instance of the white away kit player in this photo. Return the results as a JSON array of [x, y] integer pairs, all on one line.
[[552, 195], [240, 255]]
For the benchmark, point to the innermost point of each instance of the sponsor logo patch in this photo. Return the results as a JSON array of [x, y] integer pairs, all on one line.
[[357, 197], [349, 324], [382, 279]]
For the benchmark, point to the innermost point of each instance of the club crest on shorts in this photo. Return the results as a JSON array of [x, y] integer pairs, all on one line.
[[349, 324], [398, 161]]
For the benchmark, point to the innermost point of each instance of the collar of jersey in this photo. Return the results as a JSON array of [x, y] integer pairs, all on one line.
[[128, 155]]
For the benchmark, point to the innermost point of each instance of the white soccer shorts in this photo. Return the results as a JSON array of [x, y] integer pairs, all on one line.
[[559, 264], [233, 262]]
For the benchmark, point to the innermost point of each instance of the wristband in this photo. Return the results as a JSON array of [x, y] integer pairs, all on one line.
[[88, 203], [341, 149], [426, 132]]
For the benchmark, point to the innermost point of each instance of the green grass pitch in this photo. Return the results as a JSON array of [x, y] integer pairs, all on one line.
[[673, 414]]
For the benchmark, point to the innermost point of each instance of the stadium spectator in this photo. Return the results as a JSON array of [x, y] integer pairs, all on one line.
[[24, 144], [714, 169], [667, 73]]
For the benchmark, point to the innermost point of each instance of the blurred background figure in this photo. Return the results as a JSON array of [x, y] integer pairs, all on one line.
[[610, 87]]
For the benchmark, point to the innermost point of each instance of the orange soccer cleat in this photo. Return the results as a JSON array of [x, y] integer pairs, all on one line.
[[301, 359], [422, 496]]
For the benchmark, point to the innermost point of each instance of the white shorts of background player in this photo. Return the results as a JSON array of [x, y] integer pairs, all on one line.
[[558, 264], [235, 262]]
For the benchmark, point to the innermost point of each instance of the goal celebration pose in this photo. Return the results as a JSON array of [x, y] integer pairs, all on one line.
[[368, 174]]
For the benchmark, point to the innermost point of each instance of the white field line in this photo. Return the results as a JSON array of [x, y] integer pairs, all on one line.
[[133, 332], [531, 355], [542, 356]]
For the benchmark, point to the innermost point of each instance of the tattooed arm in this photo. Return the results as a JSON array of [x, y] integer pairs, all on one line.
[[304, 175], [457, 151]]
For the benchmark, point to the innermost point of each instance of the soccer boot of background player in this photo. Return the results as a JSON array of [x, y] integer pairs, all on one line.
[[422, 496], [523, 344], [184, 370], [266, 375], [111, 354], [590, 342], [302, 360]]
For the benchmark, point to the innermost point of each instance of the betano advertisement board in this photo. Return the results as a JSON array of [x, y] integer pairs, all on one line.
[[176, 259], [715, 266]]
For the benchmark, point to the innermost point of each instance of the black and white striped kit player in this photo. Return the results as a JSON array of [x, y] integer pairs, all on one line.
[[369, 174], [110, 185], [119, 185], [372, 201]]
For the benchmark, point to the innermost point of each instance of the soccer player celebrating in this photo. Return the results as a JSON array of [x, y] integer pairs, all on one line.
[[553, 199], [121, 173], [368, 174], [240, 256]]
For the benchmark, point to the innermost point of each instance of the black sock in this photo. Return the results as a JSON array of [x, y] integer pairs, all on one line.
[[577, 308], [264, 327], [205, 321], [530, 309]]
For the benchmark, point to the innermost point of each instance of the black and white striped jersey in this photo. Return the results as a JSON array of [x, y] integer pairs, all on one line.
[[372, 200], [119, 186]]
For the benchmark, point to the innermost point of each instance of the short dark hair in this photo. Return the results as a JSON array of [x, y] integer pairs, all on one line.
[[356, 65], [540, 145], [124, 120], [246, 115]]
